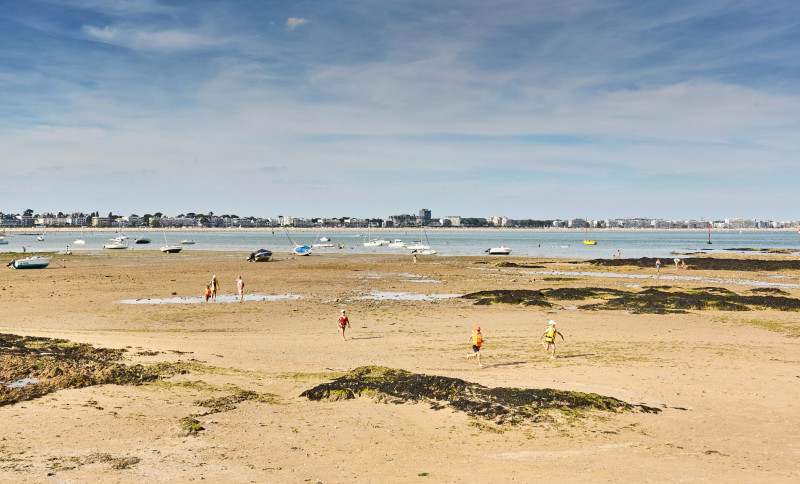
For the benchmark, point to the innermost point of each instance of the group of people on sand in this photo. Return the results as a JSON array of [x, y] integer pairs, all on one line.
[[548, 341], [213, 287], [548, 337]]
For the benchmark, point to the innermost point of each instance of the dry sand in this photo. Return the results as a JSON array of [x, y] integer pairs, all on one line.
[[728, 382]]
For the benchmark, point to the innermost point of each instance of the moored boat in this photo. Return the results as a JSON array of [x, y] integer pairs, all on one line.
[[32, 262], [502, 250], [116, 244]]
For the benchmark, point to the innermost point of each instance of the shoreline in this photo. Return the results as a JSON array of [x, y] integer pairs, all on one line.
[[39, 230]]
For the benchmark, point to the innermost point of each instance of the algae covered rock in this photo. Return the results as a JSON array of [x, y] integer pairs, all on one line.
[[500, 404]]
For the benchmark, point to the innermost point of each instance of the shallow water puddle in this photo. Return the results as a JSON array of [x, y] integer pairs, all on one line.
[[405, 296], [22, 383], [220, 299]]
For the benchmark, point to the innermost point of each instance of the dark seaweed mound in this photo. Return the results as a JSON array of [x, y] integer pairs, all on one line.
[[650, 301], [705, 263], [510, 405], [58, 364]]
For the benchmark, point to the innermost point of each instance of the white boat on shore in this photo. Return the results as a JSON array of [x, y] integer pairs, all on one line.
[[187, 242], [32, 262], [116, 243], [502, 250], [398, 244], [417, 245]]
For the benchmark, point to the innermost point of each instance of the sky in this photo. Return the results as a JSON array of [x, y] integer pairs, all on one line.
[[540, 109]]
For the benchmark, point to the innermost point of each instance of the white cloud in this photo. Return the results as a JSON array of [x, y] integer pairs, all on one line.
[[295, 22], [138, 39]]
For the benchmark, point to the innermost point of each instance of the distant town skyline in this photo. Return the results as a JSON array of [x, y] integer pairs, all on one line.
[[527, 108]]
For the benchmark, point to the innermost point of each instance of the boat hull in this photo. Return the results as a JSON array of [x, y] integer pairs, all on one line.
[[30, 263], [262, 255], [590, 242], [499, 251], [171, 249]]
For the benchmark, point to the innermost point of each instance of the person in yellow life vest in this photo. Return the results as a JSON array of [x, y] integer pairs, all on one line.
[[477, 342], [549, 337]]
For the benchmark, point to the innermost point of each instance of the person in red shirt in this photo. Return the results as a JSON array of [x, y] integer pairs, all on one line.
[[344, 322]]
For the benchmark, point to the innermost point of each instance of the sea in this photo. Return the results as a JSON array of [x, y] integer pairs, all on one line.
[[448, 242]]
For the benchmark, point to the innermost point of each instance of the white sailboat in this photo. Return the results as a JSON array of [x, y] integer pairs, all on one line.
[[170, 249], [79, 240]]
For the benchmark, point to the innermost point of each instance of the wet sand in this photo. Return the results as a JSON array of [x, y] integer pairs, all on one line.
[[727, 381]]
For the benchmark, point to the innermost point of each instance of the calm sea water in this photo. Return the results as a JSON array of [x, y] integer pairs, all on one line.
[[532, 243]]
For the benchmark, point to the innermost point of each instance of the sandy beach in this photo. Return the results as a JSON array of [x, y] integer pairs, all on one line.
[[726, 382]]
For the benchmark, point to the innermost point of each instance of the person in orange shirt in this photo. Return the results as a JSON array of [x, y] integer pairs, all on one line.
[[208, 291], [477, 342]]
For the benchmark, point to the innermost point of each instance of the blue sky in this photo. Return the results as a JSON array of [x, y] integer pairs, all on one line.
[[523, 108]]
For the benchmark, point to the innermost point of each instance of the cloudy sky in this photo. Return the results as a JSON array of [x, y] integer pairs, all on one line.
[[523, 108]]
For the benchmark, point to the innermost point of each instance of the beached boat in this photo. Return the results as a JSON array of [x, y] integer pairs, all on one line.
[[116, 243], [261, 255], [302, 250], [170, 249], [32, 262], [398, 244], [142, 240], [427, 251], [297, 248], [502, 250], [372, 243], [321, 246]]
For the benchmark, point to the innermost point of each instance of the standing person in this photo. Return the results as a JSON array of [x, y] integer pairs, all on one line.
[[549, 337], [477, 342], [658, 266], [619, 255], [415, 258], [214, 288], [208, 291], [344, 322], [240, 288]]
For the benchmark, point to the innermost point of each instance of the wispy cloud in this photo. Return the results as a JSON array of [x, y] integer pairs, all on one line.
[[296, 22], [139, 39]]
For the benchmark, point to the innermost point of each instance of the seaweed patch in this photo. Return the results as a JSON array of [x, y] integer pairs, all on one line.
[[57, 364], [707, 263], [503, 405], [648, 301]]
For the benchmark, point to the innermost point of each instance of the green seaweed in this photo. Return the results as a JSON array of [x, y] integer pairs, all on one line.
[[512, 405]]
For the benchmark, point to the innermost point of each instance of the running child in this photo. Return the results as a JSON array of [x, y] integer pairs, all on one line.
[[549, 337], [208, 292], [477, 342], [344, 322]]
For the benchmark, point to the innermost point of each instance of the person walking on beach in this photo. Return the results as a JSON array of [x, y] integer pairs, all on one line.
[[344, 322], [477, 342], [549, 337], [619, 255], [208, 291], [415, 258], [240, 288], [658, 266], [214, 288]]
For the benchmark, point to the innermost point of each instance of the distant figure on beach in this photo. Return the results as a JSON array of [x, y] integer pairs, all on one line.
[[208, 292], [240, 288], [477, 342], [415, 258], [677, 263], [549, 337], [658, 265], [23, 249], [344, 322], [619, 255], [683, 264], [214, 288]]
